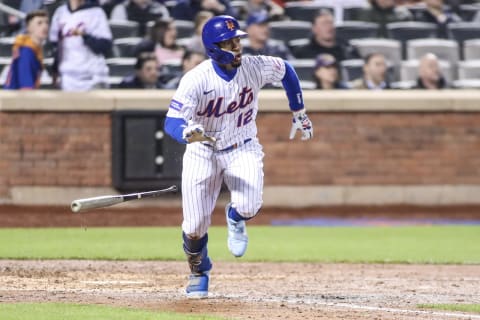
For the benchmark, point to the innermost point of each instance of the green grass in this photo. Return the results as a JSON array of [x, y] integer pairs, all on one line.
[[474, 308], [422, 244], [60, 311]]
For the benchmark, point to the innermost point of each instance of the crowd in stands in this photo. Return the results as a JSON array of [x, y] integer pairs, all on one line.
[[150, 44]]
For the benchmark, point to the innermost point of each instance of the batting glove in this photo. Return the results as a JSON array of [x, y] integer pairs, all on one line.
[[193, 133], [301, 122]]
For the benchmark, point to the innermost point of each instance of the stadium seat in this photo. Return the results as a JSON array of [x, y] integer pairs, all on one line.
[[444, 49], [469, 70], [466, 84], [471, 49], [185, 29], [404, 31], [468, 11], [409, 70], [351, 69], [121, 67], [6, 47], [351, 13], [292, 44], [304, 11], [4, 67], [125, 47], [391, 49], [304, 68], [124, 28], [417, 10], [462, 31], [307, 85], [348, 30], [290, 30]]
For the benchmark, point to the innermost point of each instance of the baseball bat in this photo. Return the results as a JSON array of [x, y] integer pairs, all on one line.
[[106, 201]]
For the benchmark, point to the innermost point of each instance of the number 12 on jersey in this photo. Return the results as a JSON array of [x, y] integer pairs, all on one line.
[[244, 118]]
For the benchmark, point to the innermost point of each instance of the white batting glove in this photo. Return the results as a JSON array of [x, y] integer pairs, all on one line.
[[193, 133], [301, 122]]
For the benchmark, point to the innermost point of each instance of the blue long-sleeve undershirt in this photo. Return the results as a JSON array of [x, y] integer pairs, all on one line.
[[291, 84], [174, 128]]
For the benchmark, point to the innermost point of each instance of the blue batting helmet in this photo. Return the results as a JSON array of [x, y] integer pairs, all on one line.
[[217, 29]]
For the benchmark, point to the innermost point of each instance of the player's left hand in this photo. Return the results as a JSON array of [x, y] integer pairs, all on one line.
[[195, 133], [301, 122]]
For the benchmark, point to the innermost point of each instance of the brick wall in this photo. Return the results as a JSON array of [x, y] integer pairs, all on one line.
[[374, 148], [54, 149], [350, 148]]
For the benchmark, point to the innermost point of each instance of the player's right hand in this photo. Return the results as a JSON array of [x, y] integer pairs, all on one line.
[[194, 133]]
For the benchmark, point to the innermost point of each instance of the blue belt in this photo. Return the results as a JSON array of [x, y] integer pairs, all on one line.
[[233, 146]]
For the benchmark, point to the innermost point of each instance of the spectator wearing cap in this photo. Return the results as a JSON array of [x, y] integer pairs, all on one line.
[[429, 74], [323, 40], [374, 73], [326, 74], [146, 74], [258, 41]]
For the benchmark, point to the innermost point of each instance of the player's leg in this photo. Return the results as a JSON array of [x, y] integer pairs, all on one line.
[[201, 182], [244, 178]]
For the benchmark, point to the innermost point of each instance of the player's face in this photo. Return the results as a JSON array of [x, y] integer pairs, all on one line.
[[233, 45]]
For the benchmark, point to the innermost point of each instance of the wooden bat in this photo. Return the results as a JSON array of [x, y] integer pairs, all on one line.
[[106, 201]]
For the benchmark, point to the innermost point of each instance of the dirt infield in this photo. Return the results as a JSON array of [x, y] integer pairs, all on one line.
[[238, 290], [250, 290]]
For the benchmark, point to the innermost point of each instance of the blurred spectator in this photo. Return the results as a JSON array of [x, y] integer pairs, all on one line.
[[384, 12], [83, 38], [27, 56], [146, 74], [324, 40], [429, 74], [195, 43], [188, 9], [274, 11], [190, 60], [162, 41], [258, 42], [374, 73], [326, 73], [10, 24], [141, 11], [439, 14]]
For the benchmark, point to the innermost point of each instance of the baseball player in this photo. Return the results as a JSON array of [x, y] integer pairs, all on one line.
[[213, 111]]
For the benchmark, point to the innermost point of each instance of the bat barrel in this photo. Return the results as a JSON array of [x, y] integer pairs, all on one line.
[[96, 202]]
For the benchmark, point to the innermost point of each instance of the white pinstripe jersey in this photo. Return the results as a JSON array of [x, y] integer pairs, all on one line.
[[226, 109]]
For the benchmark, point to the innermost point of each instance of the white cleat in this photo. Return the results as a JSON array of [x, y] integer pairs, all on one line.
[[237, 235]]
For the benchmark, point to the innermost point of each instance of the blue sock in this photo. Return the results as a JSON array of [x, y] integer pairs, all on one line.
[[235, 216]]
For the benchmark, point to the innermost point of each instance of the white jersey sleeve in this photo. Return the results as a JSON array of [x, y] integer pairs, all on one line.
[[185, 99], [270, 69]]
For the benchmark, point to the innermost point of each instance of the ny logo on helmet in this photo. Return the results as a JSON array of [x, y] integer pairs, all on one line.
[[230, 25]]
